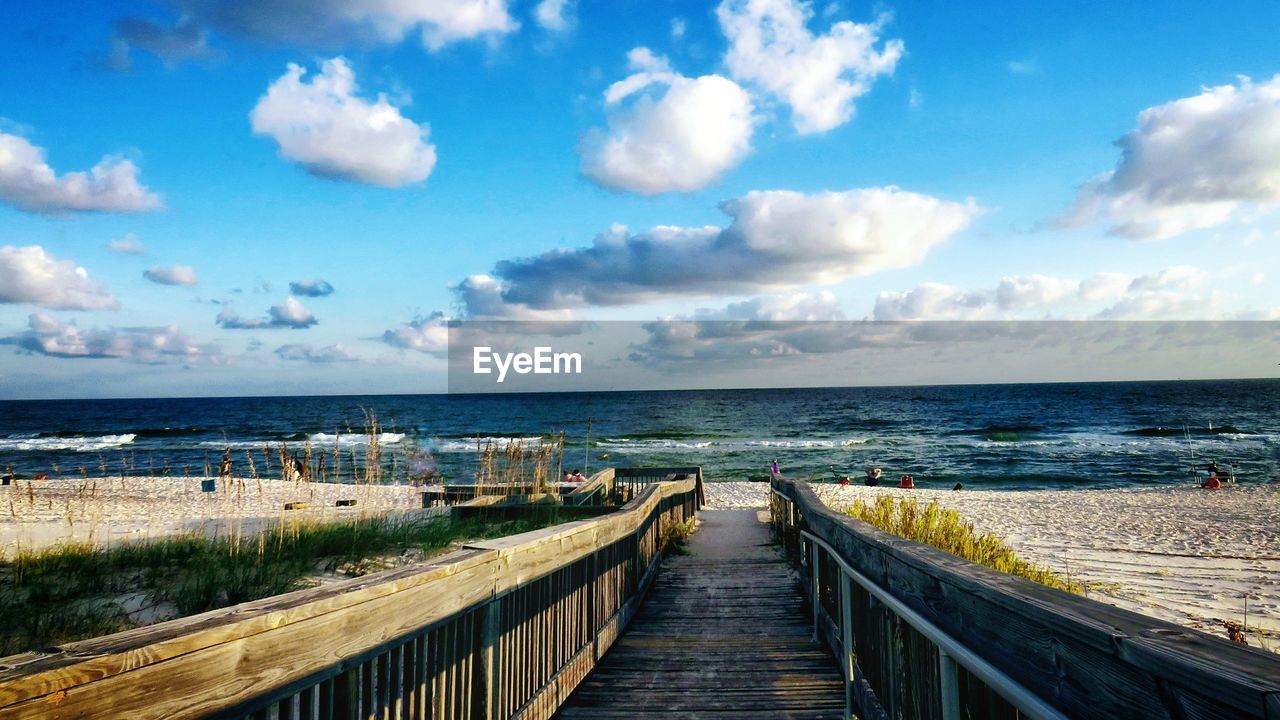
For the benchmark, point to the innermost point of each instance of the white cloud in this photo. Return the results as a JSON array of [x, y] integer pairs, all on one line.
[[304, 352], [176, 275], [127, 245], [47, 335], [289, 314], [1190, 164], [345, 23], [777, 239], [796, 307], [480, 298], [678, 28], [311, 288], [668, 132], [818, 76], [28, 183], [555, 15], [1175, 293], [429, 334], [931, 301], [32, 275], [325, 127]]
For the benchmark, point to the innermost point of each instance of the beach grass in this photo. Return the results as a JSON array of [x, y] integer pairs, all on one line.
[[947, 530], [74, 591]]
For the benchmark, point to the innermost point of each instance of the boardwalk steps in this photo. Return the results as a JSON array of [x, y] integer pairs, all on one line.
[[724, 633]]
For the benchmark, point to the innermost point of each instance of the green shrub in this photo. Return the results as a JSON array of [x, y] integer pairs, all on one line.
[[947, 530]]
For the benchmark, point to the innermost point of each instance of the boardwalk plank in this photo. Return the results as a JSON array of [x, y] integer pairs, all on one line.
[[723, 634]]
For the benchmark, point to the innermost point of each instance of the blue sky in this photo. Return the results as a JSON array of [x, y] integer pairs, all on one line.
[[988, 121]]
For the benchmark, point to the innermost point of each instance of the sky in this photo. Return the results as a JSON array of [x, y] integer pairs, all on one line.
[[206, 197]]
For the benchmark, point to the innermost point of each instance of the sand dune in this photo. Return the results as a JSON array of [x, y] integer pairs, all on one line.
[[38, 513]]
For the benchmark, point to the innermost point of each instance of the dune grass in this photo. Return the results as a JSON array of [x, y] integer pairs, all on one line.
[[947, 530], [75, 591]]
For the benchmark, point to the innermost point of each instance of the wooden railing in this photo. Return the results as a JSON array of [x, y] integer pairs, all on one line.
[[629, 481], [498, 629], [921, 633]]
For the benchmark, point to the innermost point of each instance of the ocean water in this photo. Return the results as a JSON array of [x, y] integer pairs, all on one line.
[[992, 436]]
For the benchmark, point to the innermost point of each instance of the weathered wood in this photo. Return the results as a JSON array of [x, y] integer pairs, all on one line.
[[719, 635], [1084, 657], [396, 642]]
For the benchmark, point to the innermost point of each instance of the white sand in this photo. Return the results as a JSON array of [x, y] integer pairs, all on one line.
[[1189, 556], [39, 513]]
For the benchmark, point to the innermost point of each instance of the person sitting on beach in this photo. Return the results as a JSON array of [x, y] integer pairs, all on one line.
[[1212, 483], [907, 483], [873, 477]]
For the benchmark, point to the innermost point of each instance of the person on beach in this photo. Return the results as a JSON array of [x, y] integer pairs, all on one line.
[[568, 477], [907, 483], [774, 468], [873, 477], [224, 467], [577, 477], [1212, 483]]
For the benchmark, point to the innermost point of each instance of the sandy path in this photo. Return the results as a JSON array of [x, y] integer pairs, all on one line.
[[1189, 556]]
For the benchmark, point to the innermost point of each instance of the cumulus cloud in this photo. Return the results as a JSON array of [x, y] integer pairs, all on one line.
[[318, 24], [801, 306], [818, 76], [1176, 293], [1190, 164], [31, 275], [480, 298], [555, 15], [426, 334], [47, 335], [185, 40], [28, 183], [127, 245], [668, 132], [176, 275], [323, 125], [289, 314], [304, 352], [777, 239], [311, 288]]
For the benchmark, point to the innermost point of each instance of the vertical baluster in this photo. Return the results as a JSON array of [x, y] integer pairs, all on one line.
[[847, 655]]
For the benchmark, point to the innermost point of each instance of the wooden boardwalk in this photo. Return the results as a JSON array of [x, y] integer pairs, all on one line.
[[723, 634]]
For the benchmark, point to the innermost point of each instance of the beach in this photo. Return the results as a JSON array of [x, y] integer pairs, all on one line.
[[1188, 556], [1185, 555], [39, 513]]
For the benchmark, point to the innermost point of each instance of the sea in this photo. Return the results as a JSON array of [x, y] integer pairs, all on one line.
[[1015, 436]]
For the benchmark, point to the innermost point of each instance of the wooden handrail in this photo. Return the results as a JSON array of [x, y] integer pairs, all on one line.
[[1082, 657], [500, 628]]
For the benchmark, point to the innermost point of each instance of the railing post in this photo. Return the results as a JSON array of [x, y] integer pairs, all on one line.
[[490, 631], [950, 686], [846, 640]]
